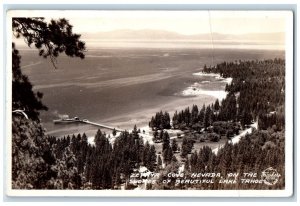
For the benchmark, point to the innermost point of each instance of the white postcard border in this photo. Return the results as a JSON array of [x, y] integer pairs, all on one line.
[[288, 191]]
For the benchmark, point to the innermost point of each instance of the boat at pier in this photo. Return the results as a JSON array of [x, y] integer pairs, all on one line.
[[66, 120]]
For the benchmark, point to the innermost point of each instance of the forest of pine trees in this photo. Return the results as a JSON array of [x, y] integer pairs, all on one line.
[[256, 93], [73, 163], [255, 152], [160, 121], [260, 86]]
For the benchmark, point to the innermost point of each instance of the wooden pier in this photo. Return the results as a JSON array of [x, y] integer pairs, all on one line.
[[85, 121], [102, 126]]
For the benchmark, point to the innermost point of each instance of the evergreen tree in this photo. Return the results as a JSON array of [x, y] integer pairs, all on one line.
[[174, 145], [23, 97], [246, 118], [135, 132], [202, 114], [155, 136], [166, 140], [152, 158], [67, 172], [159, 163], [114, 132], [187, 165], [208, 117], [168, 155], [194, 114], [217, 105], [32, 158], [184, 148], [146, 154]]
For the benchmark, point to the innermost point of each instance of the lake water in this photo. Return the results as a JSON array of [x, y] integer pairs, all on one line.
[[121, 87]]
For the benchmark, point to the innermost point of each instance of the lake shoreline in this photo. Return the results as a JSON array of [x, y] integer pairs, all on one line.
[[141, 116]]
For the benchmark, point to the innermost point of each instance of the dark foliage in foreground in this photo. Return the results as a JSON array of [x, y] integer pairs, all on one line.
[[41, 162], [23, 97], [50, 39]]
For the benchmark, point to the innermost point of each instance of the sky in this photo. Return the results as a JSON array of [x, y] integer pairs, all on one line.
[[182, 22]]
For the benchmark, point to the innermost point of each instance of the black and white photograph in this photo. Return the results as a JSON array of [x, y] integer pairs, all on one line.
[[150, 102]]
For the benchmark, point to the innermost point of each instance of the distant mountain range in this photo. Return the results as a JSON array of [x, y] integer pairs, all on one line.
[[168, 35]]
